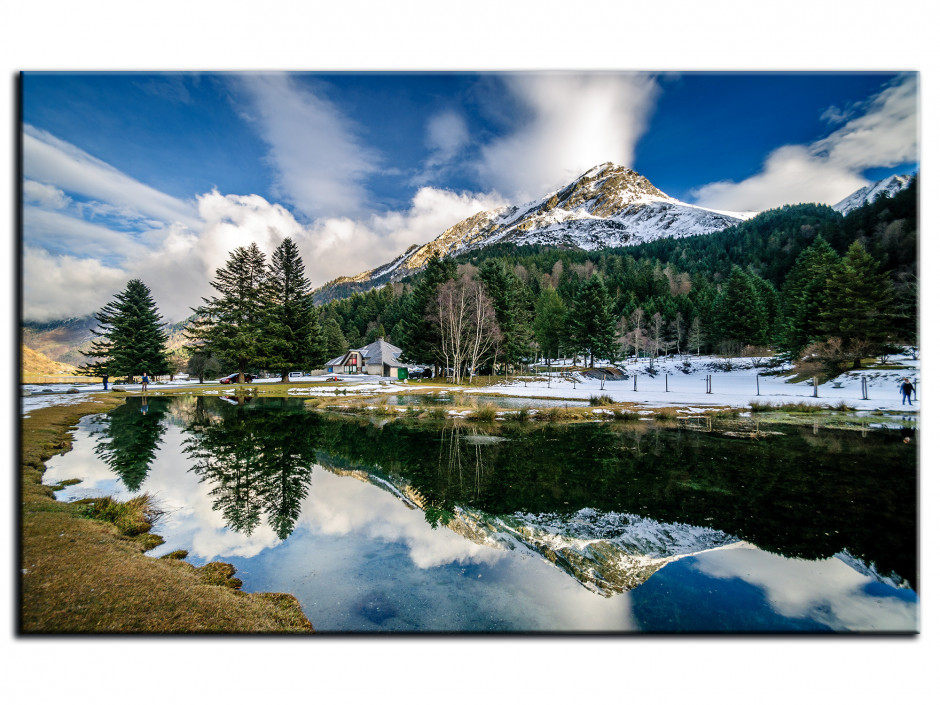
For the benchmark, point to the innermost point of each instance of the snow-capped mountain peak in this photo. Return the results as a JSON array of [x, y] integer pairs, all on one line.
[[607, 206], [867, 194]]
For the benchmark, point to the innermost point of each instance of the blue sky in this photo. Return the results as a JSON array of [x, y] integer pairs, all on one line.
[[160, 175]]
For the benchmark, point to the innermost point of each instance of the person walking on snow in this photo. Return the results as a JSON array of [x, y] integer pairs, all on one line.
[[906, 389]]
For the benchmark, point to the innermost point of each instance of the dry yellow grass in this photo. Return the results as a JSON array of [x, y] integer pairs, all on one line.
[[35, 363], [81, 575]]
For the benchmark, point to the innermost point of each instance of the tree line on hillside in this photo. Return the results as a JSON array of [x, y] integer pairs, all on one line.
[[800, 281], [786, 280]]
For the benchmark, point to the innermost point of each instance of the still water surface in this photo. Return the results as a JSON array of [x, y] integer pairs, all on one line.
[[448, 527]]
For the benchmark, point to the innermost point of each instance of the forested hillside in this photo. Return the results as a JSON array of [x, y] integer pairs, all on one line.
[[788, 278]]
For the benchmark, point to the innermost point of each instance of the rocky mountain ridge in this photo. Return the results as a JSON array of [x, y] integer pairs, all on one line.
[[607, 206], [867, 194]]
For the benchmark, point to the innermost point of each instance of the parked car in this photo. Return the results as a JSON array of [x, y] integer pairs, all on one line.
[[232, 379]]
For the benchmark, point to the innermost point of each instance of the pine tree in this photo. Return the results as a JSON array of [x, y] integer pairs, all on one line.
[[591, 321], [292, 328], [131, 338], [549, 323], [859, 304], [739, 316], [804, 297], [232, 324], [333, 339], [510, 298]]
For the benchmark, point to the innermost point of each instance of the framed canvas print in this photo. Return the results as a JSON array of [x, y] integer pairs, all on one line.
[[544, 352]]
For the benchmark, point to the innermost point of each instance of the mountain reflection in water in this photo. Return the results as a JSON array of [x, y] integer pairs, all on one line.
[[607, 504]]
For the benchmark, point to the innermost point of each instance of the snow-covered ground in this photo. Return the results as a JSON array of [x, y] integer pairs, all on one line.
[[734, 383], [736, 387]]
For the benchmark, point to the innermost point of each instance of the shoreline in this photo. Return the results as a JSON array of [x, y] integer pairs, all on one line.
[[84, 575]]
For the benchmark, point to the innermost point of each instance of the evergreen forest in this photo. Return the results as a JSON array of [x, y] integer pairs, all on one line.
[[800, 282]]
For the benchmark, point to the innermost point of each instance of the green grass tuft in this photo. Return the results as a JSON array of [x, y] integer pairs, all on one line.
[[485, 413], [133, 517]]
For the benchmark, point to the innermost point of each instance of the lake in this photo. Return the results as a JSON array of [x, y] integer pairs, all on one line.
[[444, 526]]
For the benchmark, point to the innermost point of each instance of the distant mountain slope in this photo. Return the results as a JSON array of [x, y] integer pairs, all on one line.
[[34, 363], [60, 340], [63, 340], [607, 206], [866, 195]]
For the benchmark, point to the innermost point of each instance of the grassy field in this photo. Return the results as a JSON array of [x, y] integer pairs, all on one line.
[[83, 568]]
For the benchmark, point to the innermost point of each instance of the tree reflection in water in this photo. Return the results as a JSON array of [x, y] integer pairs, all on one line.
[[129, 438], [257, 463], [799, 494]]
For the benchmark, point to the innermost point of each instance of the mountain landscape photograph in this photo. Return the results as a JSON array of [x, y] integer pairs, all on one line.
[[589, 352], [436, 342]]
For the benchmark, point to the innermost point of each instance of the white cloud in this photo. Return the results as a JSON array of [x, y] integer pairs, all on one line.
[[342, 246], [178, 264], [320, 162], [58, 231], [827, 591], [885, 135], [62, 286], [791, 174], [337, 506], [828, 170], [50, 160], [576, 122], [447, 134], [44, 195]]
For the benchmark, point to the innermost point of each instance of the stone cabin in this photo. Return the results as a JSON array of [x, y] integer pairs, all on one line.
[[376, 358]]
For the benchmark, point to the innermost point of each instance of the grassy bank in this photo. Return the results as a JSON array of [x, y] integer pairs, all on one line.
[[83, 568]]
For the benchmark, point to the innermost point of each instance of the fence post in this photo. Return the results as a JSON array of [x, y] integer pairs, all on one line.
[[864, 388], [634, 382], [667, 381], [758, 385], [815, 387]]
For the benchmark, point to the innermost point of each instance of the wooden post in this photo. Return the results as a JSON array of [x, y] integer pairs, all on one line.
[[667, 381], [815, 387], [758, 385], [634, 382]]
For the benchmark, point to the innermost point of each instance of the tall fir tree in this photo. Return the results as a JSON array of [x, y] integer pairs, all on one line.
[[510, 298], [591, 320], [131, 338], [549, 322], [739, 315], [292, 327], [231, 325], [334, 341], [804, 297], [859, 304]]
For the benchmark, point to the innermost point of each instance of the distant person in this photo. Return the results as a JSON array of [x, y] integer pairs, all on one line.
[[144, 382], [104, 381], [906, 389]]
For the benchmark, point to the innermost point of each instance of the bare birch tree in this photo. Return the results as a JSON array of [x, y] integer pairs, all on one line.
[[656, 335], [466, 320], [637, 334]]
